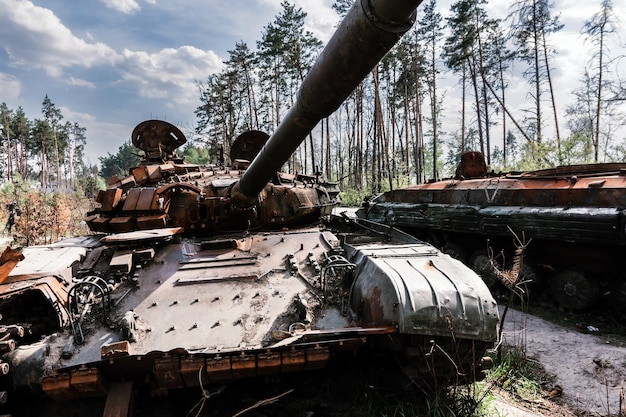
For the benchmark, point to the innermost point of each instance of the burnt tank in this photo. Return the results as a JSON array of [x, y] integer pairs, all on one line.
[[572, 218], [197, 275]]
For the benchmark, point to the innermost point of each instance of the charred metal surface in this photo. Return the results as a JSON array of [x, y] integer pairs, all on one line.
[[240, 311], [249, 305], [157, 140], [196, 199], [575, 216]]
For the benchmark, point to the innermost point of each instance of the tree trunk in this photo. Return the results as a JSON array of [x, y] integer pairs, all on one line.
[[483, 76], [406, 132], [359, 137], [599, 95], [327, 163], [554, 110], [472, 68], [433, 109], [56, 157], [502, 88], [537, 74], [463, 88], [7, 130]]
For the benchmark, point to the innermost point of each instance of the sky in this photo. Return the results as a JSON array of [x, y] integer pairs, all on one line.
[[110, 64]]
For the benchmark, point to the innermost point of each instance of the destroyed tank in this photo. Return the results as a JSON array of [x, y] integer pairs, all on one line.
[[571, 218], [198, 275]]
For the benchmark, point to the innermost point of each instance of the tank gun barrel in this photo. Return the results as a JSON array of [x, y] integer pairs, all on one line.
[[369, 30]]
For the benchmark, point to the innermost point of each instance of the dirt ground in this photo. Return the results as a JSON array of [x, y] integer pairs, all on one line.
[[587, 369]]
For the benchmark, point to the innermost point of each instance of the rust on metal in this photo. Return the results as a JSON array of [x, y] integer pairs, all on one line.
[[193, 370], [119, 402], [88, 382], [117, 349], [8, 260], [59, 387], [167, 373]]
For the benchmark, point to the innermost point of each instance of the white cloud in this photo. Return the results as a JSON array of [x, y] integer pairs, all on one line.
[[103, 137], [275, 4], [80, 83], [10, 86], [39, 39], [168, 73], [70, 114], [124, 6], [321, 18]]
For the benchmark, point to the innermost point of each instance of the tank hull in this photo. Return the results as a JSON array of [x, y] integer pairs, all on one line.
[[182, 312], [573, 217]]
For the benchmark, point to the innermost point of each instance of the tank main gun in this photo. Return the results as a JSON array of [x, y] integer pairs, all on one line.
[[366, 34]]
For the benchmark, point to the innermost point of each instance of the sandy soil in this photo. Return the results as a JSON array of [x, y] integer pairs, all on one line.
[[589, 368]]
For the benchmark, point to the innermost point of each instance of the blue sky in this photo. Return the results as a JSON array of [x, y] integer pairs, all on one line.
[[110, 64]]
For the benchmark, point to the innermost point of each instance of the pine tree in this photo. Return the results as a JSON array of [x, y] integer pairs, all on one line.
[[600, 26], [532, 24]]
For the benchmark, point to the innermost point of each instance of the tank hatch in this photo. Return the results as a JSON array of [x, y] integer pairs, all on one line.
[[246, 146], [158, 139]]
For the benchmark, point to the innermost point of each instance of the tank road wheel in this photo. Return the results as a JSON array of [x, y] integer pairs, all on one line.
[[456, 251], [481, 263], [573, 289]]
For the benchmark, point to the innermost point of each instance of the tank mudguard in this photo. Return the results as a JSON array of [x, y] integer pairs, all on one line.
[[421, 291]]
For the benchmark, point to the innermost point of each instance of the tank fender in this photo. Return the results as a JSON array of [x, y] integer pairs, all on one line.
[[430, 293]]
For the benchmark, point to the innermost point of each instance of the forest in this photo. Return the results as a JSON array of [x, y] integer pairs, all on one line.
[[391, 132]]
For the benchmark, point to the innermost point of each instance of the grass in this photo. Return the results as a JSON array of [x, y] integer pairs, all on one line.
[[372, 399], [517, 374], [467, 400]]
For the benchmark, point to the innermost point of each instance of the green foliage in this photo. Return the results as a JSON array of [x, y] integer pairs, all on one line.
[[352, 198], [56, 149], [577, 148], [194, 154], [90, 182], [256, 87], [536, 156], [120, 163], [342, 7], [457, 401]]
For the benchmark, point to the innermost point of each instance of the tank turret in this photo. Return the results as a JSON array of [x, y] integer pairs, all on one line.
[[227, 200], [166, 192], [200, 275]]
